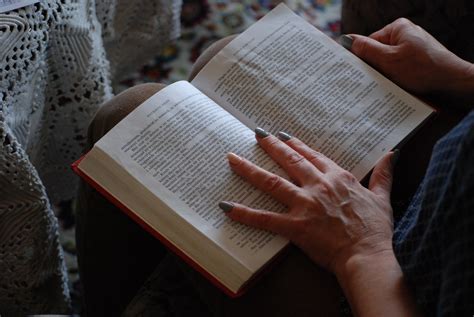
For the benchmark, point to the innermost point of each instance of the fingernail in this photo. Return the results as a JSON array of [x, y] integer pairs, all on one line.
[[346, 41], [226, 206], [261, 133], [233, 158], [395, 156], [283, 136]]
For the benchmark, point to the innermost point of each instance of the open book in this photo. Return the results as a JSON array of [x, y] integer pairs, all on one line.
[[165, 163]]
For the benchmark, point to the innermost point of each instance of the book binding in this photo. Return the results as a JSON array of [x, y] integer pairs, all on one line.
[[156, 234]]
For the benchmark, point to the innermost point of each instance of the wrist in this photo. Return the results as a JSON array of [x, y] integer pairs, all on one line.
[[361, 264], [375, 286], [460, 84], [359, 255]]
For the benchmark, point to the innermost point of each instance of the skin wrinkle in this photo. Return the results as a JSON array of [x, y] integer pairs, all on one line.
[[295, 159], [272, 183]]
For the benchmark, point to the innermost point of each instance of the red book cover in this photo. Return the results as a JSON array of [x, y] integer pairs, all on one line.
[[165, 241]]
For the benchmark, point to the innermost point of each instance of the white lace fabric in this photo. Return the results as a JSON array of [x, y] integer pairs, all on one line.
[[56, 61]]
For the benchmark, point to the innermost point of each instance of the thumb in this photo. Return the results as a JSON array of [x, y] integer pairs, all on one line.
[[370, 50], [381, 180]]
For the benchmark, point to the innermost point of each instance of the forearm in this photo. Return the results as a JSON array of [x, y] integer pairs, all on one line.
[[375, 286]]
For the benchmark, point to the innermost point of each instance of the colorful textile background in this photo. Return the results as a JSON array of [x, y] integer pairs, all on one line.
[[203, 22]]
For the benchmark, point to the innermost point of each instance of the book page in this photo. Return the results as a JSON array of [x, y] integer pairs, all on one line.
[[284, 74], [175, 143]]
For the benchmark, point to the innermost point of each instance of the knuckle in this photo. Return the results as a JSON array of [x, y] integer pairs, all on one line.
[[325, 189], [316, 157], [294, 158], [347, 177], [419, 29], [385, 175], [404, 22], [271, 183], [312, 154], [343, 185], [255, 177]]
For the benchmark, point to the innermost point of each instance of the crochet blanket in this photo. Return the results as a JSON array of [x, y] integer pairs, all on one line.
[[57, 58]]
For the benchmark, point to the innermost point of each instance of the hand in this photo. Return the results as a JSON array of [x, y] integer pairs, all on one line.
[[415, 60], [331, 216]]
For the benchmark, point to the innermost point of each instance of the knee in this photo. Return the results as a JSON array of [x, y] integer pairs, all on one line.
[[209, 53], [114, 110]]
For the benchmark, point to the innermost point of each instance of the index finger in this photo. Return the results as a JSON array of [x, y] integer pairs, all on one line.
[[295, 164]]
